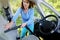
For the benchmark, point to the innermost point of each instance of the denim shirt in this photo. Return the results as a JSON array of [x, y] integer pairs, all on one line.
[[27, 17]]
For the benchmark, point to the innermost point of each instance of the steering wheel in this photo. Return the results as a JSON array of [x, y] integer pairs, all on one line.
[[46, 27]]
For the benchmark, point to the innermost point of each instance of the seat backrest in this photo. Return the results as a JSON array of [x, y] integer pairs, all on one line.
[[3, 22]]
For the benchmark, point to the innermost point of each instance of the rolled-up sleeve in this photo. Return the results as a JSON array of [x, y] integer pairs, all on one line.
[[16, 15], [31, 19]]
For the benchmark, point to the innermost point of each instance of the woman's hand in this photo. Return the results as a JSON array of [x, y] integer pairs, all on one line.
[[8, 26], [23, 25]]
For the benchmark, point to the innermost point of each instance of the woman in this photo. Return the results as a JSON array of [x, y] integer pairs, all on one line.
[[27, 14]]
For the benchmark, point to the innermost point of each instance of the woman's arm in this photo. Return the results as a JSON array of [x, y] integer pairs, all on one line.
[[16, 15], [13, 19]]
